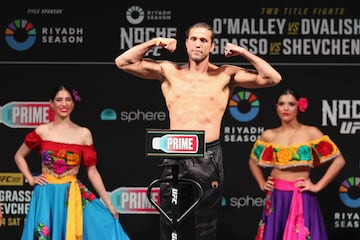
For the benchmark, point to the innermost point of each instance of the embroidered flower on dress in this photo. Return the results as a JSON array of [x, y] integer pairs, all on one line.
[[86, 195], [284, 155], [260, 231], [268, 154], [307, 233], [304, 153], [46, 158], [62, 153], [268, 208], [302, 103], [324, 148], [258, 150], [42, 232], [61, 161], [59, 166], [73, 159]]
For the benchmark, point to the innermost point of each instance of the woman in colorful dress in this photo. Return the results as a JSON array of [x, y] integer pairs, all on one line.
[[291, 209], [61, 207]]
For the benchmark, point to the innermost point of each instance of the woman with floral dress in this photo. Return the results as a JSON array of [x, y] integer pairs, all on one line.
[[61, 207], [291, 209]]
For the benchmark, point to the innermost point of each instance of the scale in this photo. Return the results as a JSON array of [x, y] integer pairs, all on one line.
[[178, 145]]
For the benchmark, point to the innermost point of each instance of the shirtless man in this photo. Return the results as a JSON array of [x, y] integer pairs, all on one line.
[[196, 95]]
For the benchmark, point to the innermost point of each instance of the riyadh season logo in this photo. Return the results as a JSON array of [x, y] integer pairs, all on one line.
[[244, 106], [135, 34], [136, 15], [349, 192], [20, 35]]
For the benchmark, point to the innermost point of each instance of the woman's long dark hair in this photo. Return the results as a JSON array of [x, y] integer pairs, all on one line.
[[59, 88], [287, 91]]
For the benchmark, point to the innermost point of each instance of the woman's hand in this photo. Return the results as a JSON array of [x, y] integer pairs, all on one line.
[[113, 211], [269, 184], [305, 185], [39, 180]]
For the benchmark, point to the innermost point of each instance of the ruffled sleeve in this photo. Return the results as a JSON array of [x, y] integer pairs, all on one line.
[[89, 156], [33, 140], [311, 153], [324, 149], [263, 153]]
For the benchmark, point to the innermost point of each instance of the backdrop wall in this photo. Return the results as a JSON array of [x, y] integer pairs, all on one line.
[[315, 45]]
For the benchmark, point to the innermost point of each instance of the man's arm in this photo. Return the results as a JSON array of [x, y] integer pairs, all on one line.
[[264, 76], [133, 61]]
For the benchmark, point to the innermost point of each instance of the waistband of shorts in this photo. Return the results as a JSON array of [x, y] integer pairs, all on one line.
[[213, 144]]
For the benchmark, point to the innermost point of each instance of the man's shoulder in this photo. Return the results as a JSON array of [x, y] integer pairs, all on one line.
[[169, 63]]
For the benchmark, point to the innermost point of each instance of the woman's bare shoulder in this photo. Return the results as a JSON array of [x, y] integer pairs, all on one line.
[[86, 135], [313, 131], [42, 129], [268, 134]]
